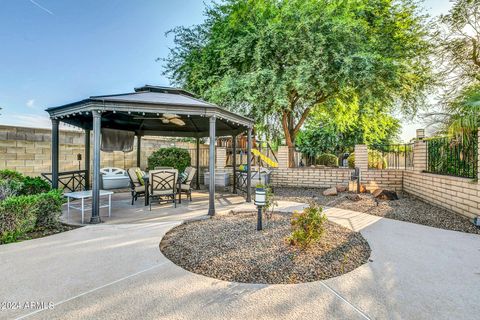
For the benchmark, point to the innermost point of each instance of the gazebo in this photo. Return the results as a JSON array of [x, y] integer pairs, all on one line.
[[149, 112]]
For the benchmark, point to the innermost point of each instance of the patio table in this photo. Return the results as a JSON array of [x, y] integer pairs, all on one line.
[[83, 195]]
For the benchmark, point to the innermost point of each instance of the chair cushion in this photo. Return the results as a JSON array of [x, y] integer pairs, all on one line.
[[162, 192], [186, 187], [140, 174], [183, 177], [139, 188]]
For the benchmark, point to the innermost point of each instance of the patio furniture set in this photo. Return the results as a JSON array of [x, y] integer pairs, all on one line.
[[163, 183]]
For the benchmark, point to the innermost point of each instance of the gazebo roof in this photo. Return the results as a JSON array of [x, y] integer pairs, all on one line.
[[141, 111]]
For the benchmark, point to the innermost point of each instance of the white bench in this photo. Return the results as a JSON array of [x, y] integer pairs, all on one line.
[[82, 195]]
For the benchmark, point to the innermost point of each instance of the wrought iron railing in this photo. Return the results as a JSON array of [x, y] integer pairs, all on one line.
[[69, 180], [453, 156], [391, 156]]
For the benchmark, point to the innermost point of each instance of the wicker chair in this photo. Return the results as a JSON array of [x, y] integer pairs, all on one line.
[[163, 186], [136, 187]]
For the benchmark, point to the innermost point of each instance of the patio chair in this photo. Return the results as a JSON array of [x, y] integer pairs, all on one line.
[[163, 168], [186, 186], [136, 186], [163, 186]]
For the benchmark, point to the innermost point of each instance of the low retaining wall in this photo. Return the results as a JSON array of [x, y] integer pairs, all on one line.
[[310, 177], [383, 179], [460, 195]]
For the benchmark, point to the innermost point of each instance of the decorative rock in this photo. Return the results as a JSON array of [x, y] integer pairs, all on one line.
[[363, 188], [354, 197], [330, 192], [385, 194], [341, 188]]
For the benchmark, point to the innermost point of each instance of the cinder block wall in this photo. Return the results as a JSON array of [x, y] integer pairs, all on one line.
[[28, 150], [460, 195], [310, 177], [383, 179]]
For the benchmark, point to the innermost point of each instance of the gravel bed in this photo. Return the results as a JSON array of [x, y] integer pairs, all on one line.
[[407, 208], [228, 247]]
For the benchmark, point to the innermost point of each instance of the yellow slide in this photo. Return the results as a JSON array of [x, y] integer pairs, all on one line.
[[265, 159]]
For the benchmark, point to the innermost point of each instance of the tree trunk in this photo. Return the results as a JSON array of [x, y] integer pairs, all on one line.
[[290, 129]]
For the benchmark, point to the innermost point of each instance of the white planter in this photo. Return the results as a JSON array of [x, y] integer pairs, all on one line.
[[222, 179], [114, 178]]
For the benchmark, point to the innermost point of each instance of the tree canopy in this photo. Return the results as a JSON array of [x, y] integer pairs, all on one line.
[[281, 59], [457, 54], [338, 132]]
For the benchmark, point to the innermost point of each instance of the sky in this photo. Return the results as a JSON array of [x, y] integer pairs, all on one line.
[[53, 52]]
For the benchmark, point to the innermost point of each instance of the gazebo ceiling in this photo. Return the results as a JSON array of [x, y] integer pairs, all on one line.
[[143, 112]]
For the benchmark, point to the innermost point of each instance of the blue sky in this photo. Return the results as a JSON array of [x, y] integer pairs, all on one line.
[[59, 51]]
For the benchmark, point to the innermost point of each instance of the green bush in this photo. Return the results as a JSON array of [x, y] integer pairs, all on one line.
[[7, 174], [328, 159], [48, 208], [34, 185], [21, 214], [375, 160], [10, 188], [170, 157], [307, 226], [17, 216]]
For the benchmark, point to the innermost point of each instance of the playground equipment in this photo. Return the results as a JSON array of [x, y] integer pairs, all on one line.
[[265, 159]]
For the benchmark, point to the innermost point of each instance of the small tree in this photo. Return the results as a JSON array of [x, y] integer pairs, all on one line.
[[170, 157]]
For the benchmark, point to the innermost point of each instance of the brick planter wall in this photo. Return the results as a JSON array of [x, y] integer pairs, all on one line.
[[310, 177], [460, 195]]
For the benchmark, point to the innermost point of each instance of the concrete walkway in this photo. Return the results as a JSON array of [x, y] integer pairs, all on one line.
[[116, 271]]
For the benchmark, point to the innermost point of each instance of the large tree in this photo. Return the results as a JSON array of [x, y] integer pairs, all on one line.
[[457, 56], [284, 58], [338, 132]]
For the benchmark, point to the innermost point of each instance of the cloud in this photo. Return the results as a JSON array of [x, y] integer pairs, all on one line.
[[41, 7], [32, 121], [30, 103]]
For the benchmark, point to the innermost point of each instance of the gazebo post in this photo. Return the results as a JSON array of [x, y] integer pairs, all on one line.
[[234, 163], [197, 163], [55, 142], [97, 125], [139, 149], [211, 165], [87, 159], [249, 165]]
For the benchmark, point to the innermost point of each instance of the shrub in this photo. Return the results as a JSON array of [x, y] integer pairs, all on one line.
[[7, 174], [17, 216], [21, 214], [328, 159], [307, 226], [48, 208], [170, 157], [34, 185], [10, 188], [375, 160]]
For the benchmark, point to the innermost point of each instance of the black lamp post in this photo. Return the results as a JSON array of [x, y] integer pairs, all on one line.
[[79, 159], [260, 201]]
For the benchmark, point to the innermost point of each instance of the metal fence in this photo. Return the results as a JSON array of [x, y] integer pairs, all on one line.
[[453, 156], [70, 181], [391, 156]]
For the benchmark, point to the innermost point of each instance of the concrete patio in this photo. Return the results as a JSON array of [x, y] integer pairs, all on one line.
[[116, 271], [124, 212]]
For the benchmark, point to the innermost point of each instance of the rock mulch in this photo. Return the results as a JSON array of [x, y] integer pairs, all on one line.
[[228, 247], [407, 208]]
